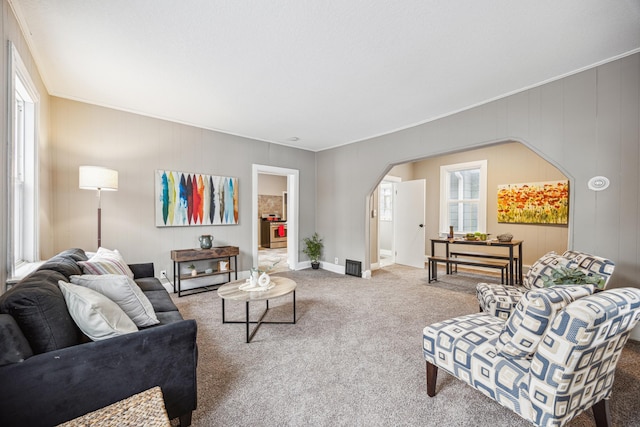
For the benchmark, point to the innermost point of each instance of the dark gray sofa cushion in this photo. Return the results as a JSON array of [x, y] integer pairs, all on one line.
[[39, 309], [14, 347], [65, 262], [150, 284], [167, 317], [142, 270], [161, 301]]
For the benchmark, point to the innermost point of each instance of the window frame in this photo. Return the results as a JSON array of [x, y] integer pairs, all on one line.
[[445, 170], [19, 81]]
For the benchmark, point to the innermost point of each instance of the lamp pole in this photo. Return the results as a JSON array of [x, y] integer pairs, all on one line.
[[99, 179], [99, 219]]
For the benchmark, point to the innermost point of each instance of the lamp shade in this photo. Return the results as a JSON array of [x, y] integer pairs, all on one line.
[[98, 178]]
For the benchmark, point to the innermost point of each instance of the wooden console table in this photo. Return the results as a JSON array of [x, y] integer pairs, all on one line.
[[220, 253]]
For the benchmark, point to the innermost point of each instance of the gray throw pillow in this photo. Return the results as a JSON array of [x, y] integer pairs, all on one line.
[[123, 291]]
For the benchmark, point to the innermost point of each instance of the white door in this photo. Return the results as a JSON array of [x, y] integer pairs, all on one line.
[[409, 222]]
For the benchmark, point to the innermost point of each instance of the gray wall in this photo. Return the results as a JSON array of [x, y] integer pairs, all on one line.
[[586, 124], [136, 146]]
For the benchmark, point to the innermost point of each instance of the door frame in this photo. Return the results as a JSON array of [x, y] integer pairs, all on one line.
[[293, 176]]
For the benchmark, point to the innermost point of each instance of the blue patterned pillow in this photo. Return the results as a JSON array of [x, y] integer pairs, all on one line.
[[534, 313], [545, 267]]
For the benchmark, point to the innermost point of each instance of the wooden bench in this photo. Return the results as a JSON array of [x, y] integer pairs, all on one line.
[[434, 260], [489, 256]]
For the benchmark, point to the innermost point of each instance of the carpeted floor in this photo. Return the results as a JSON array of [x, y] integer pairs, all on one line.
[[354, 357]]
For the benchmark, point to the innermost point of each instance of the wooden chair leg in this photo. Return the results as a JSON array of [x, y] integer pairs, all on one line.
[[432, 375], [601, 413]]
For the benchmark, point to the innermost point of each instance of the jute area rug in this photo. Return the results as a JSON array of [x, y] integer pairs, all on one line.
[[354, 357]]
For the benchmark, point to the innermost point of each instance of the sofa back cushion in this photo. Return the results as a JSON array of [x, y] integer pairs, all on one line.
[[39, 309], [66, 262], [530, 321], [545, 267]]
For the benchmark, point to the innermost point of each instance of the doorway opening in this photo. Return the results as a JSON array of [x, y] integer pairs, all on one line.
[[386, 210], [275, 218], [509, 162]]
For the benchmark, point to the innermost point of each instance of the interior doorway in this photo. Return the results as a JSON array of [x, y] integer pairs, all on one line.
[[386, 229], [275, 218]]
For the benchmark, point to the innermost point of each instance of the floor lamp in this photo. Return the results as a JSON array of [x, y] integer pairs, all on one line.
[[101, 179]]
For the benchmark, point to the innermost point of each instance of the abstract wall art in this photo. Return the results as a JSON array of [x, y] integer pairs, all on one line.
[[534, 203], [184, 199]]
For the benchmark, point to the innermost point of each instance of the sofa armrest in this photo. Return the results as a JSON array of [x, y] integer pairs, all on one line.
[[60, 385], [142, 270]]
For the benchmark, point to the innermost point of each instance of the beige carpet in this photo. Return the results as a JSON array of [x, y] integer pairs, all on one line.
[[354, 358]]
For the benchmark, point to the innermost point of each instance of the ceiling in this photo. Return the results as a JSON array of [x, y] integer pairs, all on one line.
[[315, 74]]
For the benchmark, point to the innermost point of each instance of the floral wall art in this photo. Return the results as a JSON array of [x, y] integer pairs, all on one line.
[[534, 203], [184, 199]]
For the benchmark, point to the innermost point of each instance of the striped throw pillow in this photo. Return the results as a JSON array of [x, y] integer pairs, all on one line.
[[106, 261]]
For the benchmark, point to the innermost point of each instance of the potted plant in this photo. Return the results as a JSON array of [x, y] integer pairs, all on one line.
[[313, 249], [572, 276]]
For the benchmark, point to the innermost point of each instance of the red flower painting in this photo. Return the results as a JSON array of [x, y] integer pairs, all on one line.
[[534, 203]]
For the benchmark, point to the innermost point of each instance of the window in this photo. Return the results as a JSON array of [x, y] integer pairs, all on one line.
[[23, 229], [386, 201], [463, 197]]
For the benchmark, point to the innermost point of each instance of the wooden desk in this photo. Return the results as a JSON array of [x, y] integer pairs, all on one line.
[[511, 280]]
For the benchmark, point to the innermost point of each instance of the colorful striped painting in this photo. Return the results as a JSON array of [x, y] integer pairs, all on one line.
[[184, 199]]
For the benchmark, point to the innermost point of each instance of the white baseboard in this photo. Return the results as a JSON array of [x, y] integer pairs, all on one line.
[[340, 269]]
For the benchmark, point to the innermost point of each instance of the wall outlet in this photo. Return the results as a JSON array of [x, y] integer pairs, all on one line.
[[163, 273], [335, 261]]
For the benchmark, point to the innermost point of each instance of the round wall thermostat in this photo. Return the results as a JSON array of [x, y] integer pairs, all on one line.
[[598, 183]]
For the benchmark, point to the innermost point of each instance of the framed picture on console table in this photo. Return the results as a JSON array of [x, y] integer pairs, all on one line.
[[184, 199]]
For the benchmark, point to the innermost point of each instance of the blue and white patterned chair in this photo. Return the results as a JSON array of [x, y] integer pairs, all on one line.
[[500, 300], [552, 359]]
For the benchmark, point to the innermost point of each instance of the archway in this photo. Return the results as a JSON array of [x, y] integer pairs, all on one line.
[[510, 162]]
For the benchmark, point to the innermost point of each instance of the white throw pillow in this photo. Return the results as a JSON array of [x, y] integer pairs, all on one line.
[[123, 291], [96, 315], [106, 261]]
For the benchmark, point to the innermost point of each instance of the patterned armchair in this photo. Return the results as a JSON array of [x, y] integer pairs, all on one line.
[[500, 300], [552, 359]]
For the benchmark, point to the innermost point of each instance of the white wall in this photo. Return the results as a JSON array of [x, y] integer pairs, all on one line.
[[586, 124]]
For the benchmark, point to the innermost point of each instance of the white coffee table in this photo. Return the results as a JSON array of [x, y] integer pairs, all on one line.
[[230, 291]]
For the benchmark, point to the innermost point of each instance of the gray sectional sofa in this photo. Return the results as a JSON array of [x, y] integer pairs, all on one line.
[[50, 372]]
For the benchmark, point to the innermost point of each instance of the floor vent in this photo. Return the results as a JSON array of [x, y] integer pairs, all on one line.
[[353, 268]]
